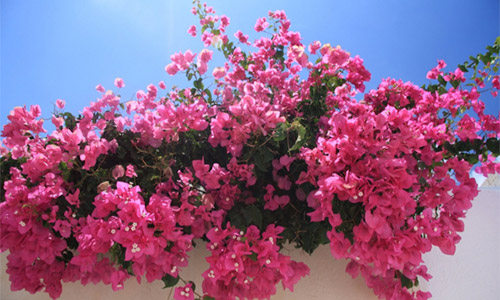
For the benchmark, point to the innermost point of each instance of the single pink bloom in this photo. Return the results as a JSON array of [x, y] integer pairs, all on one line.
[[162, 85], [73, 199], [118, 277], [140, 94], [63, 227], [241, 37], [60, 103], [189, 56], [205, 56], [202, 68], [314, 47], [172, 69], [130, 172], [496, 82], [200, 168], [441, 64], [192, 30], [100, 88], [207, 37], [3, 150], [184, 292], [119, 83], [219, 72], [261, 24], [58, 122], [286, 161], [118, 172], [224, 20]]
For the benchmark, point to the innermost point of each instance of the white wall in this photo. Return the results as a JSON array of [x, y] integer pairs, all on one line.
[[472, 273]]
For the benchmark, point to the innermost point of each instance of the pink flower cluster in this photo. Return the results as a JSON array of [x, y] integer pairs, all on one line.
[[389, 158], [248, 265], [355, 161]]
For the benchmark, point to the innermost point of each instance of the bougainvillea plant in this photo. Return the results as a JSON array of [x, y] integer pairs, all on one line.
[[273, 147]]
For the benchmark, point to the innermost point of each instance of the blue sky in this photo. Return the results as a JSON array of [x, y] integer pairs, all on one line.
[[63, 49]]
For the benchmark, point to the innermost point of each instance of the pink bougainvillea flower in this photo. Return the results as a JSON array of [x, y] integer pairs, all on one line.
[[130, 172], [119, 83], [496, 82], [219, 72], [202, 68], [261, 24], [100, 88], [203, 58], [192, 30], [58, 122], [224, 21], [241, 37], [172, 69], [118, 171], [271, 137], [73, 199], [184, 292], [313, 47], [60, 103], [435, 72]]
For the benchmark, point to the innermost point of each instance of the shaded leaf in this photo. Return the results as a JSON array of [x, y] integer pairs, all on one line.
[[169, 280], [493, 145]]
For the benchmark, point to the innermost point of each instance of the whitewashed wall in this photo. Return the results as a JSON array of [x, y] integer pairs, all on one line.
[[472, 273]]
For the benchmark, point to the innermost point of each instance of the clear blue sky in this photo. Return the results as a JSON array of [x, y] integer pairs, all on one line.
[[63, 49]]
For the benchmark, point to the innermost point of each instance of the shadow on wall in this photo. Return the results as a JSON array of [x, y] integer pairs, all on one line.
[[472, 273]]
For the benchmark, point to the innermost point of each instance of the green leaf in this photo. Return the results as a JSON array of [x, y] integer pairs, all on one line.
[[471, 158], [406, 282], [65, 171], [209, 94], [280, 132], [455, 83], [198, 84], [253, 215], [208, 298], [493, 145], [442, 90], [463, 68], [236, 218], [69, 120], [419, 210], [301, 130], [267, 155], [474, 60], [441, 80], [263, 158], [476, 145], [253, 256], [259, 162], [462, 146], [169, 280], [485, 58]]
